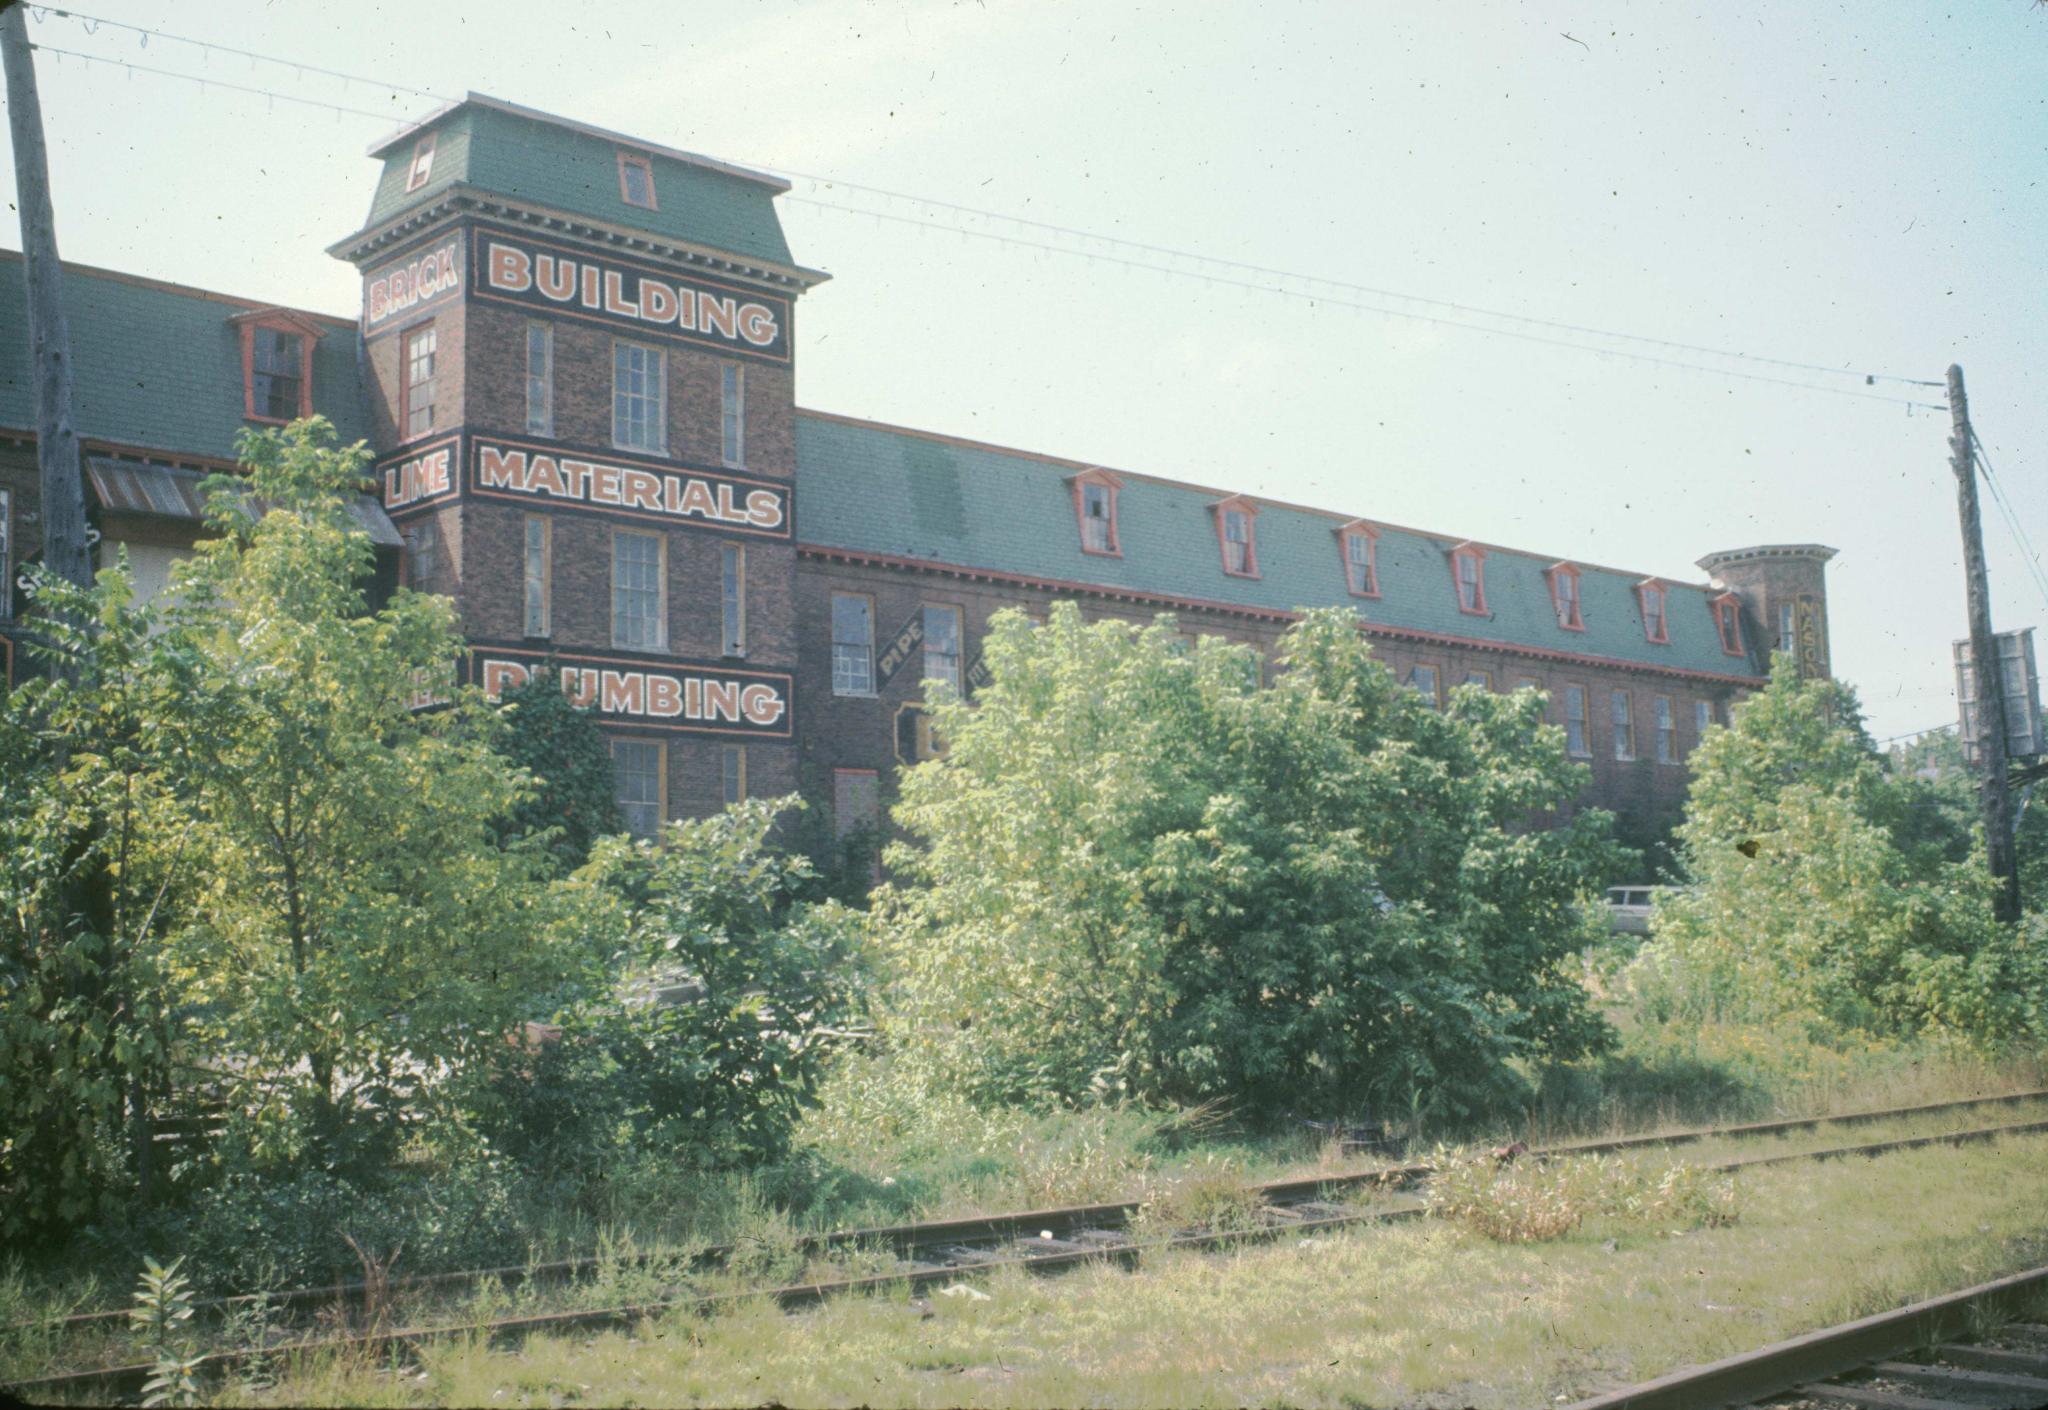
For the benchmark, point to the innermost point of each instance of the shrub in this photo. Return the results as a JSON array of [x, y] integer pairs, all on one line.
[[572, 802]]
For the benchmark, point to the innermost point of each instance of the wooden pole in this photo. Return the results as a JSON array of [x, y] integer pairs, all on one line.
[[62, 510], [1993, 788]]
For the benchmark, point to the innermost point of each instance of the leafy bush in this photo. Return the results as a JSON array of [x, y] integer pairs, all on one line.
[[1139, 873], [1815, 896], [728, 997], [573, 802]]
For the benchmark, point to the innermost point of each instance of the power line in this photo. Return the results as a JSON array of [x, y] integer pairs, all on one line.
[[2028, 555], [208, 82], [91, 22], [1374, 308]]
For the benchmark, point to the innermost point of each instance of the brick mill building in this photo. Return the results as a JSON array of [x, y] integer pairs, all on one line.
[[575, 362]]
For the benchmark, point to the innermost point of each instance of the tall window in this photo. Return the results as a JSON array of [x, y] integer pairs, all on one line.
[[636, 180], [1469, 568], [1702, 716], [540, 379], [1667, 732], [1360, 573], [1576, 742], [637, 769], [639, 622], [1624, 724], [732, 414], [1653, 612], [419, 381], [1564, 596], [853, 644], [539, 566], [1238, 555], [639, 398], [942, 645], [277, 370], [1098, 521], [1785, 642], [732, 598], [422, 169], [423, 555], [6, 553], [1423, 681], [1728, 621], [733, 771]]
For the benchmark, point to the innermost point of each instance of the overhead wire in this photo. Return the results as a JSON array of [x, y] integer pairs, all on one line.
[[1209, 263], [2029, 555]]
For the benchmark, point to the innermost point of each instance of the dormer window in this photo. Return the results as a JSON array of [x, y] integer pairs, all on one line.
[[1359, 541], [1564, 597], [636, 180], [1468, 571], [1095, 494], [1728, 621], [277, 364], [1650, 597], [1235, 533], [422, 169]]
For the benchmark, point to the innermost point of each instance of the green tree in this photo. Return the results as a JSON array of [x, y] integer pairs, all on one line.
[[1137, 871], [1822, 888], [357, 929], [573, 801]]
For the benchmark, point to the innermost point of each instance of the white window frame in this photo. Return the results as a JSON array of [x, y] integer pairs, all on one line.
[[732, 599], [414, 383], [537, 551], [940, 666], [732, 414], [660, 591], [659, 802], [1581, 720], [635, 408], [1621, 711], [540, 380], [853, 662]]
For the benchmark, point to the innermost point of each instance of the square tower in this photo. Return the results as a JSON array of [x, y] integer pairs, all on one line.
[[578, 358]]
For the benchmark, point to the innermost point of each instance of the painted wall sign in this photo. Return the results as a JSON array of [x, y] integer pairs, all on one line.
[[528, 472], [421, 476], [979, 674], [685, 697], [630, 296], [892, 656], [412, 283]]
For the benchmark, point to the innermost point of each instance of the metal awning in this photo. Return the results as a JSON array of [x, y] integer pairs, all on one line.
[[170, 492]]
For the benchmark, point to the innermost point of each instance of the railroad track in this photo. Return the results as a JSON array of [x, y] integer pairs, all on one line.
[[943, 1251], [1919, 1357]]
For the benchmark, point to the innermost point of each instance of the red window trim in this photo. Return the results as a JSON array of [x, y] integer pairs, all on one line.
[[1728, 623], [405, 338], [281, 321], [1567, 570], [1477, 554], [646, 164], [1360, 529], [1242, 505], [1663, 591], [414, 177], [1112, 484]]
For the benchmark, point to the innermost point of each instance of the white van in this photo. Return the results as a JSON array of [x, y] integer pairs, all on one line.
[[1628, 907]]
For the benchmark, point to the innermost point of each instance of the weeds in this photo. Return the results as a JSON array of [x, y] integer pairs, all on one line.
[[1210, 1197], [162, 1315], [1526, 1201]]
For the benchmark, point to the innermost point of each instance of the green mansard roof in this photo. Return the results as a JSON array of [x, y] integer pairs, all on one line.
[[487, 145], [891, 493], [158, 366]]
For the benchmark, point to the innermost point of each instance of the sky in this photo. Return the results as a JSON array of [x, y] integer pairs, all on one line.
[[1861, 187]]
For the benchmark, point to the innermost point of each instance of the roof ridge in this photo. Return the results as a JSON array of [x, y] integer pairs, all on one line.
[[145, 281], [1338, 516]]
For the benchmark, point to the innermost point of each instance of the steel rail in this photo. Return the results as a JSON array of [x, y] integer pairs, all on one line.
[[914, 1236], [1042, 1255], [1797, 1364]]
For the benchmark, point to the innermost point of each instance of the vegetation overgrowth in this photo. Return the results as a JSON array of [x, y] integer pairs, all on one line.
[[1162, 920]]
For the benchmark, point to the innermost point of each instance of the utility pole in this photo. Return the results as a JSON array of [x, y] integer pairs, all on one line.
[[57, 455], [1993, 788]]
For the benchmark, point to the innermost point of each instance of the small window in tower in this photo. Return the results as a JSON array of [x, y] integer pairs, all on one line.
[[422, 169], [419, 382], [540, 379], [636, 180], [732, 414], [1785, 635], [277, 371], [732, 597]]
